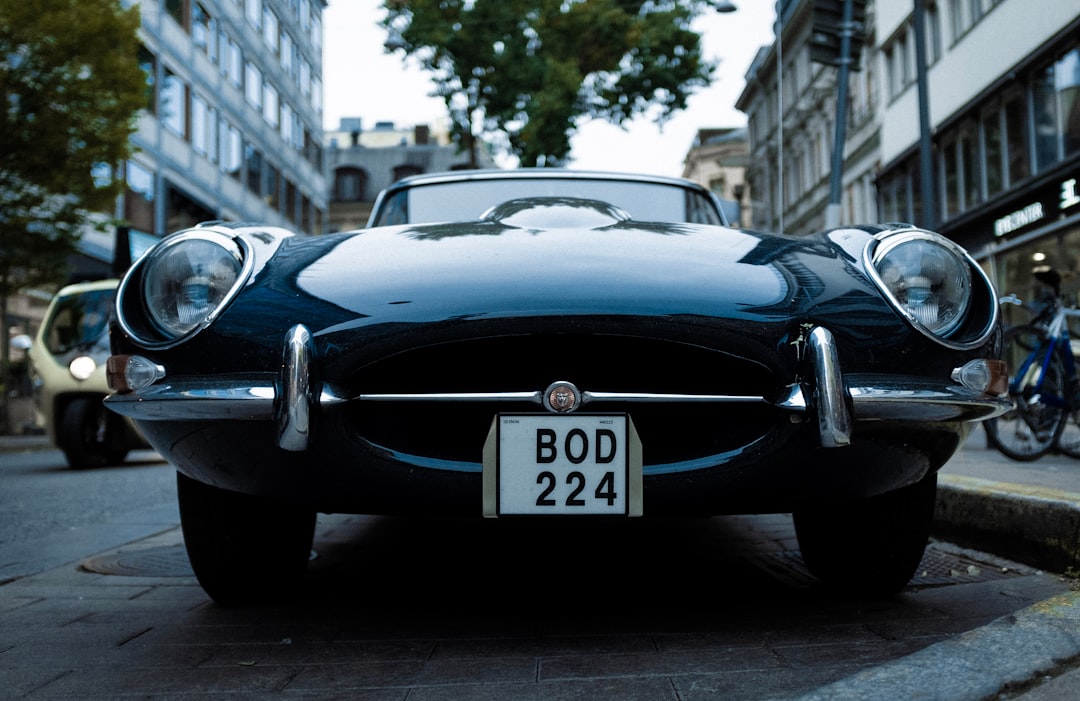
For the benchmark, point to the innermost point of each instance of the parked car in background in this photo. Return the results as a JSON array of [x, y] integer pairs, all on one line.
[[555, 345], [68, 370]]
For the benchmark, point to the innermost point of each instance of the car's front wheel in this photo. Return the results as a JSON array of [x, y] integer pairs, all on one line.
[[90, 435], [870, 546], [244, 549]]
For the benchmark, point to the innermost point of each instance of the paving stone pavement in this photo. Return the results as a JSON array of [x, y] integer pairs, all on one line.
[[473, 609]]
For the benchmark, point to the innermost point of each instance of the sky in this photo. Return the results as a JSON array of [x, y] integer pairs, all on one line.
[[361, 80]]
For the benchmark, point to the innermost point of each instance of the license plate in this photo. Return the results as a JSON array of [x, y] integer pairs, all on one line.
[[572, 464]]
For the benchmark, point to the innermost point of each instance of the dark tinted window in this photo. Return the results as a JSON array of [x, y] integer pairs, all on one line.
[[80, 322]]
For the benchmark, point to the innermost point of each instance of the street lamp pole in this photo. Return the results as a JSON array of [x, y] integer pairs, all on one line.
[[926, 165]]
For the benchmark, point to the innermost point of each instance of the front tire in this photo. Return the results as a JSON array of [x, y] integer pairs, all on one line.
[[870, 546], [244, 549], [90, 435]]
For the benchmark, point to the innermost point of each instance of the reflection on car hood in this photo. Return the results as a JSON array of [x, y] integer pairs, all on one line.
[[485, 269]]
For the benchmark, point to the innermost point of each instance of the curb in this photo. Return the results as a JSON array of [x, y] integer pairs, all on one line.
[[1033, 525], [977, 665], [21, 444]]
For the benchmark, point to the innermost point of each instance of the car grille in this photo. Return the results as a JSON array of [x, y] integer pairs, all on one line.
[[670, 432]]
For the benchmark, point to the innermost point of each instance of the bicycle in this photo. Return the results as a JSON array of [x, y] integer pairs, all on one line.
[[1044, 387]]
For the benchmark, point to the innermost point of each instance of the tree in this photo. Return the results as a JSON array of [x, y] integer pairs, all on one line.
[[70, 89], [531, 69]]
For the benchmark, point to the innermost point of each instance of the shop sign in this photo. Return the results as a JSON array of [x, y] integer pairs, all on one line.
[[1068, 196]]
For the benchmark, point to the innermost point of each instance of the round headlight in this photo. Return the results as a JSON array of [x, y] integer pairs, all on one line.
[[927, 278], [188, 279]]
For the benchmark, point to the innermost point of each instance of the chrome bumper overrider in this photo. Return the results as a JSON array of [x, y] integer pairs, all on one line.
[[293, 403]]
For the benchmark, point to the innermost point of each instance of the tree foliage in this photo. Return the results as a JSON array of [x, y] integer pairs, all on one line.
[[70, 89], [532, 69]]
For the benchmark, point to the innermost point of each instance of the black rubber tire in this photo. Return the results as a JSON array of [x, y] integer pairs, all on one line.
[[1069, 440], [90, 435], [870, 547], [1032, 428], [245, 550]]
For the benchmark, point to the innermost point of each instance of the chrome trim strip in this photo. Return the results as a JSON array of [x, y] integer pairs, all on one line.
[[293, 410], [834, 417], [875, 397], [198, 400], [534, 397], [537, 397]]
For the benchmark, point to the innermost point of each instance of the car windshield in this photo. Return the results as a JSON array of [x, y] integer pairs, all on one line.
[[466, 200], [80, 321]]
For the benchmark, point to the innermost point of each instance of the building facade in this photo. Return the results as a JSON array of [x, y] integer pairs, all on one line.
[[1003, 82], [717, 160], [232, 128], [362, 162], [791, 106]]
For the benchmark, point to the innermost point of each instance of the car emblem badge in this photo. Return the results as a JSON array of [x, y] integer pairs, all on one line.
[[562, 398]]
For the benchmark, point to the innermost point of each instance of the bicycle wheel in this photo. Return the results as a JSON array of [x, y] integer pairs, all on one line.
[[1032, 428], [1069, 440]]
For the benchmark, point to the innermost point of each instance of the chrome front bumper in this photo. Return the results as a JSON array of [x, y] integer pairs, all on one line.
[[293, 403]]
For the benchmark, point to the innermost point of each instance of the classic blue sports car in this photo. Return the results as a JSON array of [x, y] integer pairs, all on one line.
[[554, 344]]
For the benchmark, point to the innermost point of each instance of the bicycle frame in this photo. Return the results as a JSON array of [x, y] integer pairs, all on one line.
[[1056, 341]]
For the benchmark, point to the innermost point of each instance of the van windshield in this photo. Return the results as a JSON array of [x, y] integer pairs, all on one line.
[[80, 321]]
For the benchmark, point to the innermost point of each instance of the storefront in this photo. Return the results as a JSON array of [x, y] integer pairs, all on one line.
[[1033, 229]]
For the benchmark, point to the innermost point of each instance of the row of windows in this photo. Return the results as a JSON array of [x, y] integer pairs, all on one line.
[[189, 114], [262, 178], [304, 12], [1025, 129], [899, 50], [216, 43]]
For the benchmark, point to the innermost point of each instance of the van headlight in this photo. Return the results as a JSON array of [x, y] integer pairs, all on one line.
[[188, 279], [926, 277]]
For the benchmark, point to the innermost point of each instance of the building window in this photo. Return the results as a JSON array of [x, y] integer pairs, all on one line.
[[253, 85], [175, 9], [994, 150], [232, 65], [148, 63], [971, 184], [349, 184], [203, 31], [253, 161], [1067, 85], [204, 131], [173, 103], [183, 211], [1044, 99], [139, 197], [1017, 153], [272, 191], [231, 146], [270, 30], [289, 205], [288, 55], [253, 12], [270, 107]]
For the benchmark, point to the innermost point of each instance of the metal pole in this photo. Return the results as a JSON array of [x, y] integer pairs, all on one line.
[[836, 176], [780, 117], [926, 164]]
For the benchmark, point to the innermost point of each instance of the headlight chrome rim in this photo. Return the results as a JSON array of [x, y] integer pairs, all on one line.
[[888, 242], [151, 332]]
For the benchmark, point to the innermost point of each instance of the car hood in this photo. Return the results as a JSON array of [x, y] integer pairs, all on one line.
[[370, 292]]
